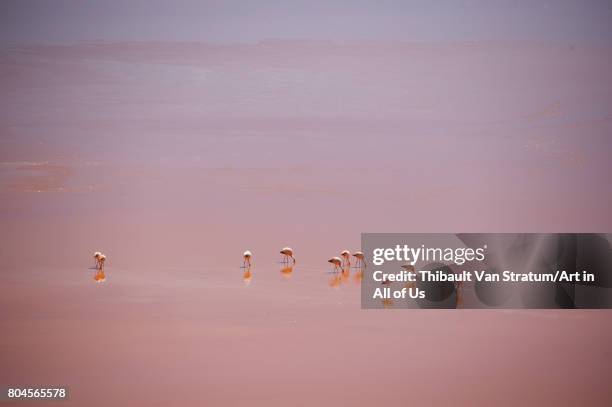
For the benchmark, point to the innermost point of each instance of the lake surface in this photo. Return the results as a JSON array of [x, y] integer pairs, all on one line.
[[175, 158]]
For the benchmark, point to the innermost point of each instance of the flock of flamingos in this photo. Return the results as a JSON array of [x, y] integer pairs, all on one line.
[[341, 263]]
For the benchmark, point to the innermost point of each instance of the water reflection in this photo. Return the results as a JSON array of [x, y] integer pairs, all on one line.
[[459, 297], [342, 275], [345, 274], [358, 276], [335, 281], [247, 276], [387, 303], [286, 270], [99, 276]]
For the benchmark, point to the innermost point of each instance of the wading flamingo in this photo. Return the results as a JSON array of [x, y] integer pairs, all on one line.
[[97, 258], [287, 252], [337, 262], [346, 257], [101, 261], [247, 258], [360, 259]]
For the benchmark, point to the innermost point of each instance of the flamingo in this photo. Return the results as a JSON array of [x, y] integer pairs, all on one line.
[[287, 252], [346, 257], [97, 258], [101, 261], [360, 259], [247, 258], [337, 262]]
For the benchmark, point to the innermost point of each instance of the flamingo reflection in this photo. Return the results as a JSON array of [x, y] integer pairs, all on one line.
[[99, 277], [286, 271], [345, 274], [387, 303], [247, 276], [459, 290], [335, 281], [358, 276]]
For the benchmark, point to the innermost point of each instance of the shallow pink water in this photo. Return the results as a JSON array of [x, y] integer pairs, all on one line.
[[174, 158]]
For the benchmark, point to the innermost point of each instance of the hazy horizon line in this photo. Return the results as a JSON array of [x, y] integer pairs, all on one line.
[[307, 42]]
